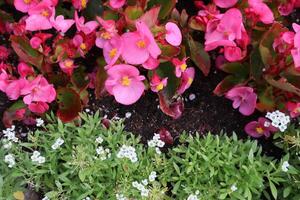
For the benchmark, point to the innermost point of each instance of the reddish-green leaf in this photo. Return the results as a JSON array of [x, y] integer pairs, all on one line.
[[10, 114], [80, 79], [171, 108], [283, 85], [168, 51], [100, 78], [228, 83], [166, 7]]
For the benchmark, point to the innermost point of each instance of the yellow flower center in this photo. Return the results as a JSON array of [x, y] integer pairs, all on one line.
[[27, 1], [83, 3], [68, 63], [113, 52], [183, 67], [105, 35], [45, 13], [83, 46], [125, 81], [190, 81], [141, 44], [259, 130], [160, 87]]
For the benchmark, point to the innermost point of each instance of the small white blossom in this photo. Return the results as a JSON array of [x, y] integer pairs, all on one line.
[[233, 188], [157, 143], [128, 115], [192, 197], [128, 152], [121, 197], [39, 122], [37, 158], [10, 134], [59, 141], [145, 182], [157, 150], [45, 198], [152, 176], [145, 193], [279, 120], [87, 110], [99, 140], [103, 153], [7, 144], [87, 198], [192, 97], [285, 166], [10, 160]]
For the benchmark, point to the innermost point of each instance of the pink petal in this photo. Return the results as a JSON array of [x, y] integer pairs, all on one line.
[[116, 4], [37, 22], [225, 3], [250, 129], [248, 105], [173, 34]]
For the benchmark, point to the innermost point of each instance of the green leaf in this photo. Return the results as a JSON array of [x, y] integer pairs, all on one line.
[[273, 189], [94, 8], [100, 78], [80, 79], [228, 83], [176, 168], [199, 56], [256, 64], [283, 85], [223, 196], [166, 7]]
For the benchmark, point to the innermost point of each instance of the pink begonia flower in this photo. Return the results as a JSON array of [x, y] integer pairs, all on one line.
[[4, 80], [287, 7], [223, 32], [244, 98], [86, 28], [180, 66], [225, 3], [107, 32], [67, 66], [232, 54], [151, 63], [80, 44], [38, 90], [61, 24], [4, 53], [39, 17], [173, 34], [38, 107], [25, 5], [14, 88], [112, 50], [157, 84], [140, 45], [125, 83], [186, 80], [259, 128], [296, 28], [293, 108], [20, 113], [261, 10], [116, 4], [284, 42], [35, 42], [296, 57], [24, 70], [80, 4]]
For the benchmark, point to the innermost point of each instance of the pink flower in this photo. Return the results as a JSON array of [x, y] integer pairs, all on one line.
[[38, 90], [244, 98], [151, 63], [38, 107], [259, 128], [35, 42], [14, 88], [261, 11], [173, 34], [287, 7], [4, 53], [232, 54], [186, 80], [82, 46], [25, 5], [67, 66], [107, 32], [112, 50], [296, 57], [86, 28], [125, 83], [4, 77], [24, 70], [180, 66], [39, 17], [225, 3], [20, 113], [294, 109], [157, 84], [223, 32], [296, 28], [140, 45], [116, 4], [61, 24], [80, 4]]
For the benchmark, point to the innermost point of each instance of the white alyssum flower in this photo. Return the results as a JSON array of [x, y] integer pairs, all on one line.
[[10, 160], [10, 134], [192, 97], [285, 166], [145, 182], [156, 143], [103, 153], [39, 122], [45, 198], [87, 198], [233, 188], [152, 176], [99, 140], [193, 196], [37, 158], [279, 120], [59, 141], [120, 197], [7, 144], [128, 152], [128, 115], [143, 190]]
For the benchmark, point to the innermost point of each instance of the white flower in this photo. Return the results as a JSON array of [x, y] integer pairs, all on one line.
[[145, 193], [192, 97], [7, 144], [37, 158], [128, 152], [233, 188], [87, 198], [103, 153], [152, 176], [10, 160], [192, 197], [39, 122], [99, 140], [285, 166], [279, 120], [59, 141], [156, 143], [145, 182], [87, 110], [135, 184], [45, 198], [10, 134], [121, 197], [128, 115]]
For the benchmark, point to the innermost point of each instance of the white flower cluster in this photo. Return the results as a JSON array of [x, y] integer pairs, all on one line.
[[285, 166], [87, 198], [157, 143], [37, 158], [10, 160], [39, 122], [121, 197], [233, 188], [141, 187], [59, 141], [7, 144], [128, 152], [279, 120], [99, 140], [152, 176], [193, 196], [103, 153], [10, 134]]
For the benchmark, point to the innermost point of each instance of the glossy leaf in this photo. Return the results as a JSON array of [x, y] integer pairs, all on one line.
[[166, 7], [168, 51], [228, 83], [171, 108], [80, 78], [69, 104], [266, 100], [283, 85]]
